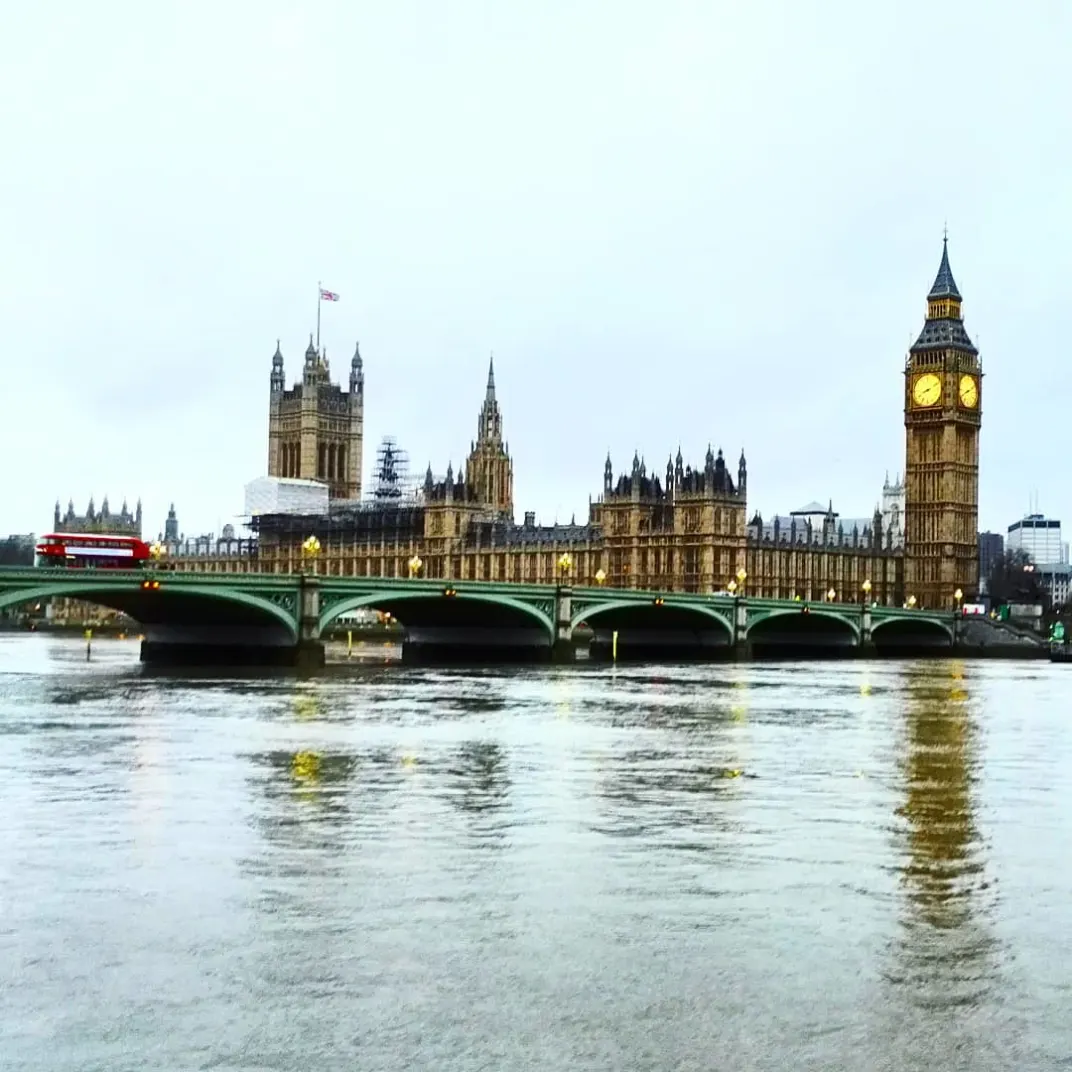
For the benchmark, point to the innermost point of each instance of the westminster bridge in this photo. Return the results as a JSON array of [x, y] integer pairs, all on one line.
[[279, 619]]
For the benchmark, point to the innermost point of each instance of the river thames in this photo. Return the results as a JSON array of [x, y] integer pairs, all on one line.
[[802, 866]]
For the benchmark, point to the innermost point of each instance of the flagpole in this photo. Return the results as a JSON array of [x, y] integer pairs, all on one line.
[[318, 304]]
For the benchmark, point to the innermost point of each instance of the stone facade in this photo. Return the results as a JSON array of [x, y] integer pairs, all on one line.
[[316, 429], [942, 407], [685, 532], [893, 510]]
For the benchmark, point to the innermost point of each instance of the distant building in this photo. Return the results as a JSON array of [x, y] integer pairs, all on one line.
[[813, 523], [893, 511], [1040, 537], [1056, 578], [171, 526], [991, 551], [102, 522], [210, 546]]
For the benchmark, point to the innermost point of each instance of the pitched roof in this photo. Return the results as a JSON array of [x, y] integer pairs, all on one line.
[[945, 285]]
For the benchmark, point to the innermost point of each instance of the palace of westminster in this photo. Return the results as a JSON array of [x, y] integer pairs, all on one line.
[[684, 530]]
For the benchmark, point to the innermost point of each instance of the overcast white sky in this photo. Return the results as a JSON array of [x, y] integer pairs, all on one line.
[[672, 222]]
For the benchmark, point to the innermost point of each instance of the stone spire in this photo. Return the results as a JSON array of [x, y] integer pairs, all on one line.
[[357, 371], [277, 368], [489, 428], [944, 327]]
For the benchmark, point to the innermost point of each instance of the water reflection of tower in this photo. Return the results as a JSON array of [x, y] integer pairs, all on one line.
[[944, 955], [479, 779]]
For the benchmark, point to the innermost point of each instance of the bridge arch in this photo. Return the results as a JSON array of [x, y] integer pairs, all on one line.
[[389, 600], [128, 596], [912, 629], [703, 615], [806, 614]]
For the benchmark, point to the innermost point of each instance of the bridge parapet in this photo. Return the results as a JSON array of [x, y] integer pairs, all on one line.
[[291, 611]]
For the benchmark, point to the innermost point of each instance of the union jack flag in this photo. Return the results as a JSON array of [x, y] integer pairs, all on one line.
[[328, 295]]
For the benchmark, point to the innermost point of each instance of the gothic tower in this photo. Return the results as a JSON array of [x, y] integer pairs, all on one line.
[[489, 469], [316, 429], [942, 400]]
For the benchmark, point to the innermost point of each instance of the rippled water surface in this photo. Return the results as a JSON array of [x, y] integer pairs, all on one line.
[[815, 866]]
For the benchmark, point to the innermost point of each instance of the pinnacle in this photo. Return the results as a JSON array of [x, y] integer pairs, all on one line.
[[944, 284]]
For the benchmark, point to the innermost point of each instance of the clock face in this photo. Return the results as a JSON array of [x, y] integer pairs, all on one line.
[[969, 392], [927, 390]]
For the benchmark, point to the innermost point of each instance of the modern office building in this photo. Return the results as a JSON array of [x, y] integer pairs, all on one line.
[[1040, 537]]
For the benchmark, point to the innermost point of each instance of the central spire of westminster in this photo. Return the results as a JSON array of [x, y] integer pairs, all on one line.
[[490, 423], [489, 469]]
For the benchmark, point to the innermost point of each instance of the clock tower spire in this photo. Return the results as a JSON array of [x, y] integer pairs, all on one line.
[[943, 379]]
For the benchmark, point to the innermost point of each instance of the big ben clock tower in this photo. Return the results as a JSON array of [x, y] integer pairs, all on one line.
[[943, 381]]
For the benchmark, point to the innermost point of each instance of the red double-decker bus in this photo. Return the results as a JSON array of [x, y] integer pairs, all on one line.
[[74, 550]]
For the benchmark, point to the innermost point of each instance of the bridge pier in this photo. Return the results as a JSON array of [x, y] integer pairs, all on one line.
[[309, 655], [742, 646], [209, 645], [562, 649], [866, 647], [309, 651]]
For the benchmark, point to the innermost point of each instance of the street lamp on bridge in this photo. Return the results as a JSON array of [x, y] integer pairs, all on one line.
[[958, 595], [309, 551], [565, 564], [831, 595], [742, 576], [415, 567], [866, 589], [601, 577]]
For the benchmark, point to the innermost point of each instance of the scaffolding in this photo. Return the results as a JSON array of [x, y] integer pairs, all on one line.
[[392, 479]]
